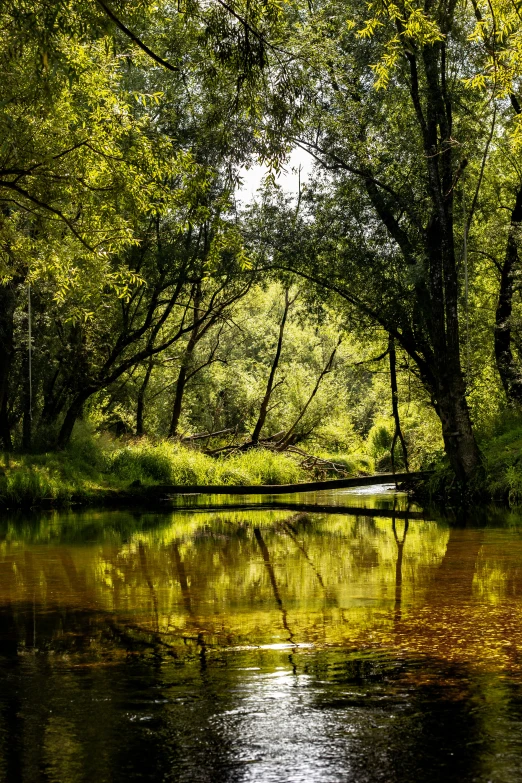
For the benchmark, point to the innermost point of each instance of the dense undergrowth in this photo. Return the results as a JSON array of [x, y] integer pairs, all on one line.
[[96, 466], [92, 466], [501, 480]]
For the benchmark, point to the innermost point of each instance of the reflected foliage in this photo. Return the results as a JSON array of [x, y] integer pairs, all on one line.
[[168, 646]]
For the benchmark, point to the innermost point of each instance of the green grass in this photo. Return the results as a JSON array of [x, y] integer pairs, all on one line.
[[95, 468], [91, 467], [354, 463], [169, 463]]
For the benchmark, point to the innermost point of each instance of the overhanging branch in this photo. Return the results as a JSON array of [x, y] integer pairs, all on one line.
[[119, 24]]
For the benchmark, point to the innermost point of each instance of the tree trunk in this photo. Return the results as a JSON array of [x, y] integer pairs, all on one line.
[[27, 402], [440, 366], [459, 440], [73, 413], [178, 399], [53, 399], [187, 358], [508, 369], [27, 429], [263, 410], [441, 283], [433, 338], [7, 309], [395, 407], [140, 407], [5, 429]]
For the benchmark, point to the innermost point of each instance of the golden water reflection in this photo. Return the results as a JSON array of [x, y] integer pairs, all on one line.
[[233, 645], [274, 578]]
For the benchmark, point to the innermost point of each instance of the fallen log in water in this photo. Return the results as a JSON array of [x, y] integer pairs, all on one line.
[[162, 490]]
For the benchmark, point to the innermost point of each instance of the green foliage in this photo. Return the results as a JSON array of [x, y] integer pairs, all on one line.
[[23, 489], [120, 159], [380, 441], [338, 433], [91, 467], [503, 455], [501, 447], [142, 462], [354, 463], [259, 466], [169, 463]]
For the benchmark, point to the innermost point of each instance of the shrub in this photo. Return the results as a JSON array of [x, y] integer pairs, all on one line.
[[261, 466], [234, 476], [354, 464], [26, 487], [140, 463], [379, 443]]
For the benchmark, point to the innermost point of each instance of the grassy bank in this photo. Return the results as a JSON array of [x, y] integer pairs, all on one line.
[[94, 468], [99, 468], [503, 458]]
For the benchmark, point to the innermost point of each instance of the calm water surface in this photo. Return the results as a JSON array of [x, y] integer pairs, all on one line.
[[285, 644]]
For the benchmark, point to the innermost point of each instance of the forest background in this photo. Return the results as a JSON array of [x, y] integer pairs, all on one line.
[[154, 328]]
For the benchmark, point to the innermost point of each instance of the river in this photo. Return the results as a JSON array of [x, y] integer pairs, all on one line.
[[337, 637]]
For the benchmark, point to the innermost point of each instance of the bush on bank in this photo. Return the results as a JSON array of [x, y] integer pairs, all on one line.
[[503, 457], [501, 446]]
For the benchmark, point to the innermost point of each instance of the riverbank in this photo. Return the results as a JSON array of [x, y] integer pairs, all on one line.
[[501, 480], [105, 471], [94, 471]]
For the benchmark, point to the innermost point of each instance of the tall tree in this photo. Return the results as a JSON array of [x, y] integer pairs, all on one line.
[[393, 128], [508, 366]]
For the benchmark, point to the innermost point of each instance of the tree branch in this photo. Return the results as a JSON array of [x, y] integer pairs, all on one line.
[[119, 24]]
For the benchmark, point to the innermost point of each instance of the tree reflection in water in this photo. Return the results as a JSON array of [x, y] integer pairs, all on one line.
[[259, 645]]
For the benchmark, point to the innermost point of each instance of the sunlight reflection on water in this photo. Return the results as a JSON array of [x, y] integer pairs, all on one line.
[[274, 645]]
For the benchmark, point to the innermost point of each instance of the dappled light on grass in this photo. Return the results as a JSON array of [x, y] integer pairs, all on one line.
[[90, 468]]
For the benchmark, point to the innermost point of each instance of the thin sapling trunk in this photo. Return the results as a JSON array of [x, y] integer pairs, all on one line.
[[263, 410], [140, 403], [185, 363], [397, 434]]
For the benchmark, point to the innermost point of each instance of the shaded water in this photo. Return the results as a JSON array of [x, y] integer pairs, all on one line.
[[261, 645]]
